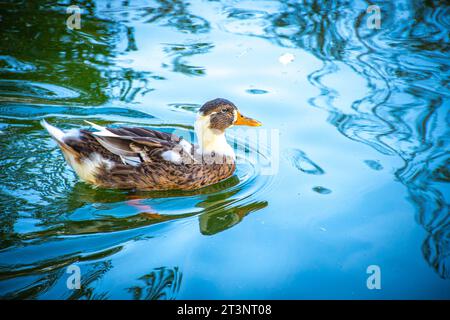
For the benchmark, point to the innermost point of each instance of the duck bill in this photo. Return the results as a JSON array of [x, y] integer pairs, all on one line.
[[244, 121]]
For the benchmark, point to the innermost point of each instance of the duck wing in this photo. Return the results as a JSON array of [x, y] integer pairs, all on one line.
[[135, 145]]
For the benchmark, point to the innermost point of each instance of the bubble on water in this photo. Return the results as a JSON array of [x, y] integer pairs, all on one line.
[[286, 58]]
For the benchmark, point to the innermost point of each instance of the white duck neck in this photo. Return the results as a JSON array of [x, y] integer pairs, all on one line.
[[211, 140]]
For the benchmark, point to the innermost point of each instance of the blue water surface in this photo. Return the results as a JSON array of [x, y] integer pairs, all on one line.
[[354, 172]]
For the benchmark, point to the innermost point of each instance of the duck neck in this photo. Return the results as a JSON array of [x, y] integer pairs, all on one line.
[[211, 140]]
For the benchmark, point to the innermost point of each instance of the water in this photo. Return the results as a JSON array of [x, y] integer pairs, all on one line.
[[363, 165]]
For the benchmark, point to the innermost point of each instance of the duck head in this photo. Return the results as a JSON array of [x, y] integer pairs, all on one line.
[[214, 117]]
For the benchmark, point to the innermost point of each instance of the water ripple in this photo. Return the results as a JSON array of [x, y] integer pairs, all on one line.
[[50, 220], [64, 209], [301, 161], [405, 64]]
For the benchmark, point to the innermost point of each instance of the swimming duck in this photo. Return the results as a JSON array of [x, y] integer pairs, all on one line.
[[144, 159]]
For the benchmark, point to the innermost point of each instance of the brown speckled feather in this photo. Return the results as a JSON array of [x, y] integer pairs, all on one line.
[[149, 171]]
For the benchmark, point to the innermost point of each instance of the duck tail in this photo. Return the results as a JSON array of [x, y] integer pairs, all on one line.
[[55, 132], [71, 155], [58, 135]]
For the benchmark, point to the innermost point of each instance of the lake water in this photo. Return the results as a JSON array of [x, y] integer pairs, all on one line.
[[353, 170]]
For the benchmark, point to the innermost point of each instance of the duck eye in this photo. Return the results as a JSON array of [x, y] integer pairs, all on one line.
[[224, 110]]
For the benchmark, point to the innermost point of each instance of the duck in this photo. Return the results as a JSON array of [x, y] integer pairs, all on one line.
[[139, 158]]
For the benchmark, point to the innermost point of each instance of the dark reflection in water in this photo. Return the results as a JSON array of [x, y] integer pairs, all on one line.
[[375, 165], [50, 221], [181, 51], [87, 286], [256, 91], [162, 283], [82, 61], [321, 190], [175, 14]]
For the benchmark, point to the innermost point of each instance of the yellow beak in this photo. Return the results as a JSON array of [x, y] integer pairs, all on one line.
[[244, 121]]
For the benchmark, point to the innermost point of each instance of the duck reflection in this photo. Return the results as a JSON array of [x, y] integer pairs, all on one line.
[[220, 210], [214, 222]]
